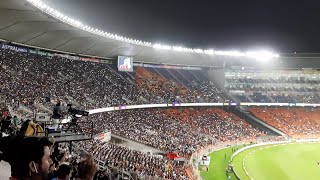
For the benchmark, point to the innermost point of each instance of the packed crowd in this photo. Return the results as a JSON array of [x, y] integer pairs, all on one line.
[[151, 128], [177, 88], [181, 130], [296, 122], [177, 130], [279, 90], [118, 162], [93, 85], [285, 88], [284, 80], [215, 122], [118, 159], [279, 97], [43, 159], [90, 85], [28, 82]]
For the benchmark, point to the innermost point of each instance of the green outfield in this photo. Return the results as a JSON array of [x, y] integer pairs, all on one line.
[[298, 161], [218, 164]]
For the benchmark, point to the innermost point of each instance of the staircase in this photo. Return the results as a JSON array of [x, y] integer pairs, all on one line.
[[255, 122], [272, 100], [250, 99]]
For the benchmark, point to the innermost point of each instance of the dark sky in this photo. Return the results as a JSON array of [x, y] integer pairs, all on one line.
[[285, 26]]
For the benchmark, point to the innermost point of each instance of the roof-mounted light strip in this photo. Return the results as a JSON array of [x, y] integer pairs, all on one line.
[[261, 55]]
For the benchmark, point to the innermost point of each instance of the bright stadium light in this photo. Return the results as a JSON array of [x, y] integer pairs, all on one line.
[[181, 49], [262, 55], [178, 48], [200, 51], [159, 46], [209, 51], [259, 55], [228, 53]]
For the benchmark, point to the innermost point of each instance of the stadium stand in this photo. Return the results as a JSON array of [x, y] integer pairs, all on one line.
[[89, 84], [34, 80], [116, 158], [287, 86], [181, 130], [34, 83], [171, 89], [296, 122]]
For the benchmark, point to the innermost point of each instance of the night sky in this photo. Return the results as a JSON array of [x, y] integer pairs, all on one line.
[[285, 26]]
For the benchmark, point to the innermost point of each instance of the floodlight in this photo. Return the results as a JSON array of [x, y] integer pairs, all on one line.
[[209, 51], [159, 46], [50, 10], [260, 55], [200, 51], [177, 48]]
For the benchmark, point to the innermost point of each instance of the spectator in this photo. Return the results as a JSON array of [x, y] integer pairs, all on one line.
[[15, 121], [33, 163], [63, 172], [87, 169]]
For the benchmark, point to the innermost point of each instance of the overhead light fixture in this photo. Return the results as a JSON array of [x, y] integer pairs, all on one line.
[[260, 55]]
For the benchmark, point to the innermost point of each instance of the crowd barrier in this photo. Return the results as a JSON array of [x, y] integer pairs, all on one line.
[[197, 156], [255, 145], [226, 104]]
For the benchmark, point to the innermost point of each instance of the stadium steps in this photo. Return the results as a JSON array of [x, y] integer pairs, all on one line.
[[15, 113], [228, 95], [176, 79], [195, 76], [272, 100], [248, 97], [155, 70], [43, 108], [144, 99], [255, 122], [126, 99], [179, 77], [113, 71], [134, 144], [129, 77], [185, 79]]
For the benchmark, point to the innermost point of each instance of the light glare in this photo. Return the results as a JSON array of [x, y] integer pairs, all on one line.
[[259, 55]]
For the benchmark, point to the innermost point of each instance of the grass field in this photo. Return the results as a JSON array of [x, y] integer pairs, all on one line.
[[218, 165], [298, 161]]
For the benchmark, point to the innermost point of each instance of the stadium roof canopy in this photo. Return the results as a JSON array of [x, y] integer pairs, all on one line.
[[22, 22]]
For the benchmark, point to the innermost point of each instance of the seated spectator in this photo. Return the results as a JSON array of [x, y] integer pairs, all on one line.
[[35, 163], [63, 172], [31, 164]]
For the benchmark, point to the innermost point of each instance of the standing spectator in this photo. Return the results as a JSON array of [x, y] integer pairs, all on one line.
[[87, 169], [5, 114], [15, 121], [57, 114]]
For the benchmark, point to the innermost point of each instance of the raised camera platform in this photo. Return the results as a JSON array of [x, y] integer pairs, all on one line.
[[68, 132]]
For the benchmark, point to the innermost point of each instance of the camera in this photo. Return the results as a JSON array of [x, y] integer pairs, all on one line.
[[75, 112]]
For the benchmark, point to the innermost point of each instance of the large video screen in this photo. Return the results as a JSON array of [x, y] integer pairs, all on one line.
[[125, 63]]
